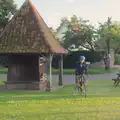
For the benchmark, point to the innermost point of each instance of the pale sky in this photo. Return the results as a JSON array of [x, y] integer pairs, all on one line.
[[94, 10]]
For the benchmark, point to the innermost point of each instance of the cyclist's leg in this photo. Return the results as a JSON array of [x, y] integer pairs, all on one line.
[[77, 83], [81, 90], [85, 86], [75, 87], [80, 85]]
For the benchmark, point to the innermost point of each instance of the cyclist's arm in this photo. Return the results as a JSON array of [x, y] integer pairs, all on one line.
[[86, 70], [76, 69]]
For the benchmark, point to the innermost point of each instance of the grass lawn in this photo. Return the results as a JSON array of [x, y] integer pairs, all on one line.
[[90, 71], [72, 71], [3, 70], [102, 103]]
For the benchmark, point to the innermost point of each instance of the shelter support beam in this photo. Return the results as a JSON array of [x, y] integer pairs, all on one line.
[[48, 67], [50, 74], [61, 70]]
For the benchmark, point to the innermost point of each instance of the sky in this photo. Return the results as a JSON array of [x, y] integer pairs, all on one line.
[[94, 10]]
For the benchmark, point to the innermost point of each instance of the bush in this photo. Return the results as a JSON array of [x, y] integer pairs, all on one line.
[[117, 59]]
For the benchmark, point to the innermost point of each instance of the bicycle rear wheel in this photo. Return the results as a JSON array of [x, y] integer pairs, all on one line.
[[83, 87]]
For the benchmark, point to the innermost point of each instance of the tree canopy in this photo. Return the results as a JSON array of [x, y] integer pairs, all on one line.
[[109, 31], [7, 9], [80, 34]]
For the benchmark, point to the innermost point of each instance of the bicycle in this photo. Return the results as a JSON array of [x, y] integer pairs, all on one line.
[[81, 85]]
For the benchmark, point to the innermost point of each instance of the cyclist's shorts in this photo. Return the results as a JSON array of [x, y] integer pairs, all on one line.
[[79, 77]]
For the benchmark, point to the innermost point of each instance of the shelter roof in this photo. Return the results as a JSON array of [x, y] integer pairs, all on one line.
[[27, 32]]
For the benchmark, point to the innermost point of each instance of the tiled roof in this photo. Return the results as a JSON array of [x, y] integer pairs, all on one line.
[[27, 33]]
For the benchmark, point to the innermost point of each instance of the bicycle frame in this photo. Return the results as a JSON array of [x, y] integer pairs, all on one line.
[[80, 84]]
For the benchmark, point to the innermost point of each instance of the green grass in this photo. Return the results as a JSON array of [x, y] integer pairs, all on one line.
[[72, 71], [90, 71], [102, 103], [102, 70], [2, 82], [3, 70]]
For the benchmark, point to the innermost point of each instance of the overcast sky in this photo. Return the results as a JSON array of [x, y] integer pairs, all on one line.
[[94, 10]]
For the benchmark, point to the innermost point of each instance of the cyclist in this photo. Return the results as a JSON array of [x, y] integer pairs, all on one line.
[[81, 69]]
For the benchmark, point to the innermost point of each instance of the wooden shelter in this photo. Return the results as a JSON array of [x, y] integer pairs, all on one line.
[[24, 40]]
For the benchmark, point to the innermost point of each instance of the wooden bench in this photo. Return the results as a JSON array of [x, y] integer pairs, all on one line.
[[117, 80]]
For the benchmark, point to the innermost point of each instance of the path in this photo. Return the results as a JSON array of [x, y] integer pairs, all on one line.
[[70, 79]]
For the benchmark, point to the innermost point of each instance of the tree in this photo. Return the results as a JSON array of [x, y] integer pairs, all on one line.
[[80, 34], [109, 36], [115, 39], [7, 9]]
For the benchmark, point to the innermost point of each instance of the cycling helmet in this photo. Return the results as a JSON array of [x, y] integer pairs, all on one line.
[[82, 58]]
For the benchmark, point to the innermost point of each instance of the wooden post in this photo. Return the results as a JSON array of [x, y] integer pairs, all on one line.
[[61, 70], [50, 74]]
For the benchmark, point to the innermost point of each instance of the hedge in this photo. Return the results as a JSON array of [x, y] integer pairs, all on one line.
[[117, 59], [71, 59]]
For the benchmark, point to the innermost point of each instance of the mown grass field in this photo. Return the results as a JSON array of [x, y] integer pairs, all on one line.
[[3, 70], [90, 71], [72, 71], [102, 103]]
